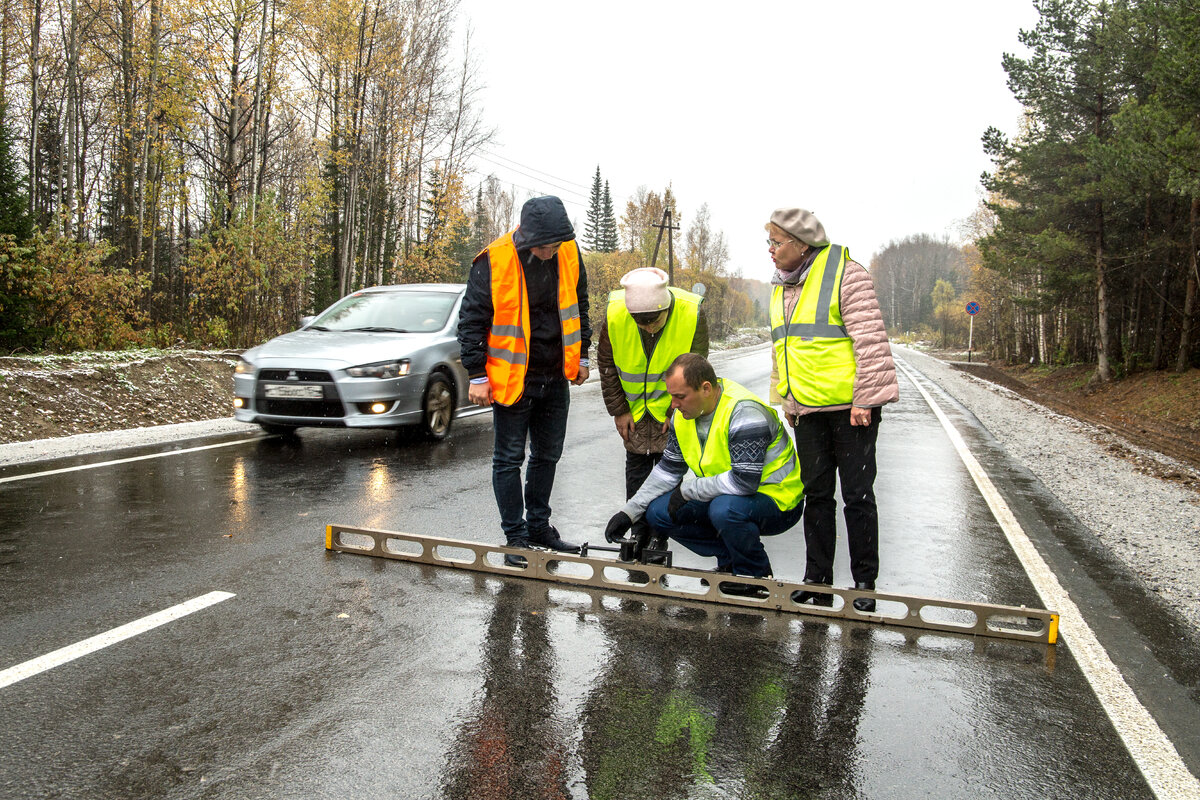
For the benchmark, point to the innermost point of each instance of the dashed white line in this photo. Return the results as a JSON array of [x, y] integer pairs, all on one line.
[[1154, 753], [71, 652]]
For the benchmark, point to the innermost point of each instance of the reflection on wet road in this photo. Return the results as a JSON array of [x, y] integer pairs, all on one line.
[[332, 675]]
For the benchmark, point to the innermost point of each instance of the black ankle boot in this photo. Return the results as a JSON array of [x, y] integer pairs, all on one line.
[[520, 543], [865, 604], [549, 538], [815, 598]]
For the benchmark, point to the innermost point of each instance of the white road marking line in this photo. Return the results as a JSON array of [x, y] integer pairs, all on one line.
[[71, 652], [1152, 751], [123, 460]]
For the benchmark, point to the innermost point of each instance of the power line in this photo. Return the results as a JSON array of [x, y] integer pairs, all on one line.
[[533, 177], [585, 187], [530, 189], [623, 198], [550, 179]]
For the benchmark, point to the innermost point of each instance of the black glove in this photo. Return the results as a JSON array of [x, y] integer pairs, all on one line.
[[676, 502], [618, 526]]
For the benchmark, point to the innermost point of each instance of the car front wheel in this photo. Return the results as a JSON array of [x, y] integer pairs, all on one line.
[[438, 408]]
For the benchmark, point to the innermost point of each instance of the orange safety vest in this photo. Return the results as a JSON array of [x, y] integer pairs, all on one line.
[[508, 340]]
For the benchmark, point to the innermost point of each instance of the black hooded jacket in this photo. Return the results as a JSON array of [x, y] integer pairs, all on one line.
[[543, 221]]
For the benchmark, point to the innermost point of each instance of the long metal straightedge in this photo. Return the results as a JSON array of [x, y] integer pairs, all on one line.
[[680, 583]]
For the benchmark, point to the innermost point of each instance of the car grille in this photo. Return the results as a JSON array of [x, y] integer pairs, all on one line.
[[328, 408], [302, 375]]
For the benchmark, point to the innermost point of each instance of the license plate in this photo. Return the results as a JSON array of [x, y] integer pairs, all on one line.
[[291, 391]]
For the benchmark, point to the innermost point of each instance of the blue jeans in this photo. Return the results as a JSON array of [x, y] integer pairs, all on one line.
[[728, 528], [539, 417]]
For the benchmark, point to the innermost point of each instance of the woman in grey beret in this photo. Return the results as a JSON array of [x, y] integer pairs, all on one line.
[[833, 369]]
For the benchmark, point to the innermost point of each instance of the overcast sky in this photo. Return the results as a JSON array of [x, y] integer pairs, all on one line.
[[869, 114]]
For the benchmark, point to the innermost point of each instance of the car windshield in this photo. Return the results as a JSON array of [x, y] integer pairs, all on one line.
[[388, 312]]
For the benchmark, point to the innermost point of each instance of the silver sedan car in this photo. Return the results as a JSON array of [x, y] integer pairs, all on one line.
[[379, 358]]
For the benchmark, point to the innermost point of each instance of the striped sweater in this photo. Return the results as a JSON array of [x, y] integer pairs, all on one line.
[[752, 428]]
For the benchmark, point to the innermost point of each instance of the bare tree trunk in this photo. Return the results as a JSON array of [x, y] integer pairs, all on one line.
[[6, 25], [230, 133], [1129, 355], [892, 298], [34, 101], [1104, 348], [1160, 316], [263, 123], [71, 157], [147, 136], [1043, 345], [125, 152], [1189, 303], [366, 45], [255, 116]]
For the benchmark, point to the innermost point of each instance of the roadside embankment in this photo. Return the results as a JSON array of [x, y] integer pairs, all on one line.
[[1111, 485]]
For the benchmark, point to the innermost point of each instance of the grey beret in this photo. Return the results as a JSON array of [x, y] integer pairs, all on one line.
[[801, 224]]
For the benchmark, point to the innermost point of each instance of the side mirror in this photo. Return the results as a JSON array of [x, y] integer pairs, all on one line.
[[307, 320]]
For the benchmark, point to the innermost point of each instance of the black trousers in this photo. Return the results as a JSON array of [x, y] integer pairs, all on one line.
[[638, 467], [828, 445]]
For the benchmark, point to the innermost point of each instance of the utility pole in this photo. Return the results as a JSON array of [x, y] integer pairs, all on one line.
[[666, 225]]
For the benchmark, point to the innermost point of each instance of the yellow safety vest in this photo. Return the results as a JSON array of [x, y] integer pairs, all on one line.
[[508, 339], [780, 478], [642, 378], [814, 353]]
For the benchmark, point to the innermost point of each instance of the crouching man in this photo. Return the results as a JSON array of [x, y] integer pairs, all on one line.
[[747, 478]]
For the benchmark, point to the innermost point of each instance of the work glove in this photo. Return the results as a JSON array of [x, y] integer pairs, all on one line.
[[676, 501], [618, 526]]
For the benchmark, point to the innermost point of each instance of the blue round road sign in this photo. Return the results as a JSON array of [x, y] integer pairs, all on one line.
[[972, 308]]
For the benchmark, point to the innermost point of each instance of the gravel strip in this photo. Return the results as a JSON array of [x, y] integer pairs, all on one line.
[[1152, 525]]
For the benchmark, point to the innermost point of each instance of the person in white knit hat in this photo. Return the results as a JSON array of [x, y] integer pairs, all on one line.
[[647, 325]]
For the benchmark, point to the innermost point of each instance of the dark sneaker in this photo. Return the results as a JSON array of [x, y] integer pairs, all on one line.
[[550, 539]]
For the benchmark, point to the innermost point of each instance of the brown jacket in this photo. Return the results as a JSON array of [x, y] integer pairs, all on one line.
[[649, 435], [875, 375]]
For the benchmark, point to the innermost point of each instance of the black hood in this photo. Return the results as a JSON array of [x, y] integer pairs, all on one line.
[[544, 220]]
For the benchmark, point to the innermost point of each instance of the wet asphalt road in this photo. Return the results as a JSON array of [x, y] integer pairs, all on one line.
[[338, 675]]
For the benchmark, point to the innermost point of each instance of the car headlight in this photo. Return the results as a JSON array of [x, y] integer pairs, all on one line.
[[382, 369], [243, 367]]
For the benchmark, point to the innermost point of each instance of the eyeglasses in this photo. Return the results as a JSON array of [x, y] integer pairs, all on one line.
[[771, 243]]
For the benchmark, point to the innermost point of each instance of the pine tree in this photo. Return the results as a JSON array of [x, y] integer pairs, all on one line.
[[593, 231], [1159, 147], [15, 219], [1049, 184], [608, 241]]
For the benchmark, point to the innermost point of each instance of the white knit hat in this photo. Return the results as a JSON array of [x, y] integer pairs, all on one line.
[[646, 290]]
